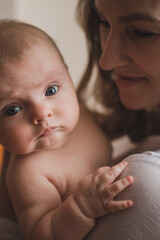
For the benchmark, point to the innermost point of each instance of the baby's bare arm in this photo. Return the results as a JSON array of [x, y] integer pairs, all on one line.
[[40, 209], [93, 197], [45, 207], [43, 214]]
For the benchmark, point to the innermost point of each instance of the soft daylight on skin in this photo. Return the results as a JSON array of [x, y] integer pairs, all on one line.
[[57, 176], [61, 178], [39, 113], [130, 34]]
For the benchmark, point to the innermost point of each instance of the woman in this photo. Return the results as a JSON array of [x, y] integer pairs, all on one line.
[[126, 53], [124, 47]]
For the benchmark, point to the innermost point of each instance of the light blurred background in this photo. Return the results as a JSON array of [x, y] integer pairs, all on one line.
[[58, 19]]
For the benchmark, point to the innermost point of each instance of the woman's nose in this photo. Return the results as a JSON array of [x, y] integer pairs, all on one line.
[[114, 54], [41, 112]]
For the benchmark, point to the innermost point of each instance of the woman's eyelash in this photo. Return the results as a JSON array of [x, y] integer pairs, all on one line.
[[143, 34], [101, 20], [104, 23]]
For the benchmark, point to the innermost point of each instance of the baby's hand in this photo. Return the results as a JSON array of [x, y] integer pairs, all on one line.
[[95, 193]]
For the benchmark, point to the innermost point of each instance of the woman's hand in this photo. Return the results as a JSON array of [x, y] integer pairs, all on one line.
[[95, 193]]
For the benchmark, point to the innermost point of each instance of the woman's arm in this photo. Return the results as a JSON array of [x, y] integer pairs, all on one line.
[[142, 221]]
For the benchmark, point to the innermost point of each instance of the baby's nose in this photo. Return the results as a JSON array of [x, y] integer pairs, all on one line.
[[41, 113]]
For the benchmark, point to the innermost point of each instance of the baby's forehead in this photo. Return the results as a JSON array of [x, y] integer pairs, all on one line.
[[8, 65], [17, 55], [38, 56], [33, 59]]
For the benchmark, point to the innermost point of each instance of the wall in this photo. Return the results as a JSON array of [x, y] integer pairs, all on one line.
[[56, 17]]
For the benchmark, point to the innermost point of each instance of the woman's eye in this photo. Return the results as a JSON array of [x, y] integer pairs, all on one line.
[[100, 19], [10, 111], [143, 34], [51, 90], [104, 23]]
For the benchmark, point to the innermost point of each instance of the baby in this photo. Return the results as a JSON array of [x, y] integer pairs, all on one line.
[[57, 177]]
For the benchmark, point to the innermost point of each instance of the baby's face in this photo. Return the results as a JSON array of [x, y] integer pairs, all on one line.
[[38, 103]]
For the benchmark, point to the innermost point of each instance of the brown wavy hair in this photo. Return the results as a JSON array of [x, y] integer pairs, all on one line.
[[115, 119]]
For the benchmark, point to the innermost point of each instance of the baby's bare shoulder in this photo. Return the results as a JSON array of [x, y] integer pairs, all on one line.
[[88, 125], [91, 127], [29, 162], [90, 136], [31, 169], [40, 162]]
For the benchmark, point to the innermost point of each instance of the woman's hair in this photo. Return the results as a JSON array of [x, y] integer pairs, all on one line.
[[16, 37], [116, 120]]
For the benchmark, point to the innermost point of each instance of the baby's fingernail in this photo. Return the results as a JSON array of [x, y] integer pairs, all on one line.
[[129, 203], [125, 163], [130, 179]]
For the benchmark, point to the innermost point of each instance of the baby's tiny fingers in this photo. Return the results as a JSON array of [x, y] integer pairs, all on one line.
[[113, 189], [115, 171], [113, 206]]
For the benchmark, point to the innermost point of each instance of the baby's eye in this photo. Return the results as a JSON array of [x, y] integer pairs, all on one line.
[[51, 90], [12, 110]]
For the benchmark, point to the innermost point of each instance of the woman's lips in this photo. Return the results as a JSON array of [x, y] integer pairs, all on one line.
[[125, 81]]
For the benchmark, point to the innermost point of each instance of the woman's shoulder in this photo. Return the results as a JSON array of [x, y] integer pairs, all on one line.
[[150, 157], [135, 223]]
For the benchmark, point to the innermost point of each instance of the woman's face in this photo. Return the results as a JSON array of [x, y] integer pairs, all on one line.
[[130, 41]]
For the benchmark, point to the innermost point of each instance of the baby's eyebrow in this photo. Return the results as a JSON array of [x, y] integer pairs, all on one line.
[[4, 97], [137, 17], [53, 75]]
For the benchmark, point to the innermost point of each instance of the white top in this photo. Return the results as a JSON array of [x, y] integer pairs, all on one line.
[[142, 221]]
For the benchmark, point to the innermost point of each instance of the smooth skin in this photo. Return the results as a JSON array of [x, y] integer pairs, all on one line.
[[130, 41], [52, 176]]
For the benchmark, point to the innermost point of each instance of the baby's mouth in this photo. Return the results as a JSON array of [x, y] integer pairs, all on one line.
[[47, 132]]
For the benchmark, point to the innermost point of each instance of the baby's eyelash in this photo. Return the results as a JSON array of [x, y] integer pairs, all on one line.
[[52, 90], [11, 110]]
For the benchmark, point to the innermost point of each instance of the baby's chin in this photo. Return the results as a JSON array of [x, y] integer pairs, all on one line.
[[21, 151], [48, 143], [51, 143]]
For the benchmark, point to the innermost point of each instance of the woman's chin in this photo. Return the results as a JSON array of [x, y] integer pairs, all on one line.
[[132, 103]]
